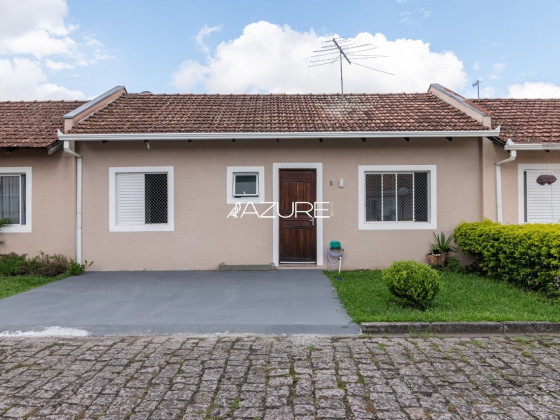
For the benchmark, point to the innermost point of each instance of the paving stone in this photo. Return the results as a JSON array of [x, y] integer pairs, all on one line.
[[270, 377]]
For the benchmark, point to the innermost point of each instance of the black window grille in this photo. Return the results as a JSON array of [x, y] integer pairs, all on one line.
[[156, 198], [397, 197]]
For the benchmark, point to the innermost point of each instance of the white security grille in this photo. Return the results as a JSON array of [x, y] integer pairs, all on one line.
[[397, 197], [542, 202], [141, 198]]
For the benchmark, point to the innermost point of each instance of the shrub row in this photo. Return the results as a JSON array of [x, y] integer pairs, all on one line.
[[526, 255], [42, 265]]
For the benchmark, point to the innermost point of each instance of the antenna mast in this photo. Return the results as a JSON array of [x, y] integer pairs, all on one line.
[[337, 49], [341, 54], [477, 84]]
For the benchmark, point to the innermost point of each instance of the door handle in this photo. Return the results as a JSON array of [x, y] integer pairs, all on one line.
[[312, 220]]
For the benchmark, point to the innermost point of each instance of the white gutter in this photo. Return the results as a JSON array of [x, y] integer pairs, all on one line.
[[511, 158], [276, 135], [510, 145], [78, 199]]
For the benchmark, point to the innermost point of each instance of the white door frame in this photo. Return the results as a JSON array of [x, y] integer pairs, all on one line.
[[275, 197]]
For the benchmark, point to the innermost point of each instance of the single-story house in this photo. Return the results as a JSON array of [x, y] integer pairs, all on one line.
[[152, 181]]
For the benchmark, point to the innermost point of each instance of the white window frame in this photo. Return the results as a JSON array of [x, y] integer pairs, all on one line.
[[521, 168], [432, 200], [19, 228], [162, 227], [244, 170]]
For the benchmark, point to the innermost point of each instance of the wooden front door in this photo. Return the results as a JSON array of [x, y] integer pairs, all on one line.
[[297, 227]]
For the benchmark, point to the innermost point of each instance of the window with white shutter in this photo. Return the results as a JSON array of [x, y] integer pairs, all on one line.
[[141, 199], [542, 202]]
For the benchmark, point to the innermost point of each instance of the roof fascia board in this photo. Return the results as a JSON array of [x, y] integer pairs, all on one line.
[[85, 110], [457, 101], [510, 145], [276, 135]]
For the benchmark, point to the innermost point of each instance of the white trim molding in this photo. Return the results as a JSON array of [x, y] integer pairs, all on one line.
[[276, 135], [276, 195], [521, 168], [432, 200], [19, 228], [231, 170], [165, 227], [510, 145]]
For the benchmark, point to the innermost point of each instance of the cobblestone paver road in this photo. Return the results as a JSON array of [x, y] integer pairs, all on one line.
[[166, 377]]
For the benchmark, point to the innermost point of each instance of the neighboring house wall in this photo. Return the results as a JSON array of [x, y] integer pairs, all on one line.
[[512, 187], [202, 236], [52, 224]]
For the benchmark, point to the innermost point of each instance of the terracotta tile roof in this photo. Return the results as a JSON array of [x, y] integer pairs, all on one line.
[[525, 120], [32, 124], [150, 113]]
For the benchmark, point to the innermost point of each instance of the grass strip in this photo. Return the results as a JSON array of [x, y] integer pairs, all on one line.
[[12, 285], [464, 297]]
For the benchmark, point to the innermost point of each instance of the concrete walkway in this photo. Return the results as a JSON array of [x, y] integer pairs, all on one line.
[[168, 302], [266, 377]]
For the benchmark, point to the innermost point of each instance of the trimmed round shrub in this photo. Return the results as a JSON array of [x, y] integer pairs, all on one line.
[[413, 281]]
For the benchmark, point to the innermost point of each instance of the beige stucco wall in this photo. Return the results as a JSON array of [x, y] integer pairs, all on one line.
[[491, 153], [203, 237], [52, 203]]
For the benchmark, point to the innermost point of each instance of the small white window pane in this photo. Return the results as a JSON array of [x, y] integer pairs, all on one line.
[[389, 197], [245, 185], [421, 197], [373, 197], [130, 199], [10, 198], [405, 198]]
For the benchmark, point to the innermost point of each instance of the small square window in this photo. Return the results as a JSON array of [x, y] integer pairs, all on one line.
[[245, 184]]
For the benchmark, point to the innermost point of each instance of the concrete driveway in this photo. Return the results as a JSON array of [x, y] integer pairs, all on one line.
[[168, 302]]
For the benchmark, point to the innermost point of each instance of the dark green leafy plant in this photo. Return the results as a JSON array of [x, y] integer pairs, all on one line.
[[43, 265], [442, 244], [12, 264], [452, 264], [413, 281], [75, 269], [4, 222]]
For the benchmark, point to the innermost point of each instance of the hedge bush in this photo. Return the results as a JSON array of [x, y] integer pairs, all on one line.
[[526, 255], [413, 281], [44, 265]]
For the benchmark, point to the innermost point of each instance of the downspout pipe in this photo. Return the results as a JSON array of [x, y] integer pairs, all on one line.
[[511, 158], [78, 199]]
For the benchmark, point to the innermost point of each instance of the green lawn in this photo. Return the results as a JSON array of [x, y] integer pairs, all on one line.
[[13, 285], [463, 298]]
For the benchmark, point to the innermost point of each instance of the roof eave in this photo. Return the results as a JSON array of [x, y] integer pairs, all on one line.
[[276, 135], [511, 145]]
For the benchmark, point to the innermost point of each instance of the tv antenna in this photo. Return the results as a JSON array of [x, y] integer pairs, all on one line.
[[340, 49], [477, 84]]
